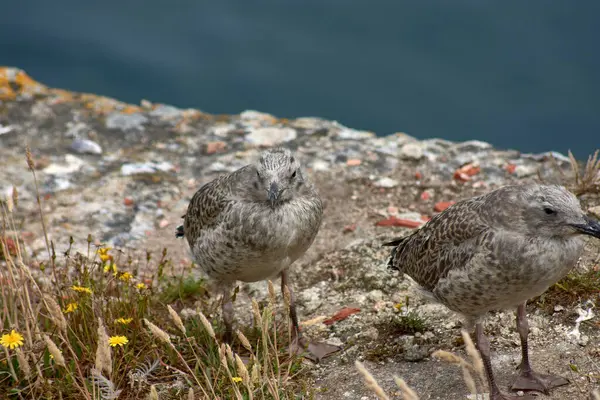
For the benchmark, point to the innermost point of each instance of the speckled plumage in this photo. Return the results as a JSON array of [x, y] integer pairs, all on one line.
[[496, 251], [485, 253], [251, 225], [234, 232]]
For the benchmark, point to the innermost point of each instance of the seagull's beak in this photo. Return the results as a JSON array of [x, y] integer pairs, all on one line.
[[590, 227], [273, 193]]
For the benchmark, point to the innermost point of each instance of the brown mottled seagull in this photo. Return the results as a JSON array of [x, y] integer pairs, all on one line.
[[251, 225], [494, 252]]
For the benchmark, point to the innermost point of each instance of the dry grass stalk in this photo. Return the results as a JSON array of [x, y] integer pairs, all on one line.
[[447, 356], [287, 297], [468, 378], [595, 395], [407, 392], [54, 351], [103, 355], [272, 296], [474, 355], [56, 314], [190, 395], [244, 340], [256, 312], [153, 395], [176, 319], [15, 196], [23, 364], [255, 373], [370, 381], [589, 180], [157, 332], [206, 324], [229, 353]]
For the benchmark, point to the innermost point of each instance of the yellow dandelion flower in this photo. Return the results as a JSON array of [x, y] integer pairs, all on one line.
[[118, 341], [126, 277], [111, 267], [236, 379], [103, 253], [70, 308], [141, 286], [12, 340], [81, 289], [123, 321]]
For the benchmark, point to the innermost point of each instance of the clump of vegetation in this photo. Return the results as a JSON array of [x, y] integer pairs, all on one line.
[[92, 326], [588, 179], [576, 287]]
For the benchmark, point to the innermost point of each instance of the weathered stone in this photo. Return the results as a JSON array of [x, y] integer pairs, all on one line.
[[270, 136]]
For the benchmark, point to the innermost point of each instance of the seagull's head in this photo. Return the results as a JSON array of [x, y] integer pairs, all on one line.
[[552, 210], [278, 177]]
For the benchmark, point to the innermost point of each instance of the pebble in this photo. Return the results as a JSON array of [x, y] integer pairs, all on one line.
[[386, 183], [166, 112], [147, 167], [270, 136], [353, 134], [72, 164], [411, 151], [5, 129], [125, 122], [222, 130], [85, 146], [215, 147]]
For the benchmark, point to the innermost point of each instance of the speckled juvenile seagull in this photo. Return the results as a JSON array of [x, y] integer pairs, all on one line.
[[496, 251], [251, 225]]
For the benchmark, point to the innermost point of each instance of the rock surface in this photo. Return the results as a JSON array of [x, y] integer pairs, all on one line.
[[125, 174]]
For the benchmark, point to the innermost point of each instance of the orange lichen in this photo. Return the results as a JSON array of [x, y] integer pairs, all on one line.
[[131, 109], [6, 91], [15, 82]]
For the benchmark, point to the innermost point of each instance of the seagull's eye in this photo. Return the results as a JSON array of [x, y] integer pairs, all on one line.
[[293, 175], [549, 211]]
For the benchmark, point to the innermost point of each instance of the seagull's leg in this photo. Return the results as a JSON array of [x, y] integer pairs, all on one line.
[[528, 379], [228, 314], [483, 344], [296, 334], [316, 350]]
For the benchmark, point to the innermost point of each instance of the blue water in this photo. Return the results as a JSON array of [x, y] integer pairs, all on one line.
[[519, 74]]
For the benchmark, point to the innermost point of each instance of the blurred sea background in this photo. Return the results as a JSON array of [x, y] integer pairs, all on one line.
[[518, 74]]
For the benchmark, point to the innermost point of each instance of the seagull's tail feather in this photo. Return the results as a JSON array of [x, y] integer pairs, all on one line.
[[397, 243], [179, 231]]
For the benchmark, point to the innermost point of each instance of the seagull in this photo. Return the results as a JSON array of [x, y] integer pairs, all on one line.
[[496, 251], [253, 224]]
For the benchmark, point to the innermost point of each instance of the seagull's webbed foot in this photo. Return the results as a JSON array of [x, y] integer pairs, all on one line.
[[311, 349], [529, 381], [502, 396]]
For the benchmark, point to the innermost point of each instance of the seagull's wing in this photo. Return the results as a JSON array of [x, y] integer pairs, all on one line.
[[449, 240], [208, 203]]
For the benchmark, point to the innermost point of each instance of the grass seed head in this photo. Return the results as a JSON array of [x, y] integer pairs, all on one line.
[[54, 351], [206, 324], [176, 319], [56, 314], [103, 355], [370, 381], [157, 332], [407, 392]]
